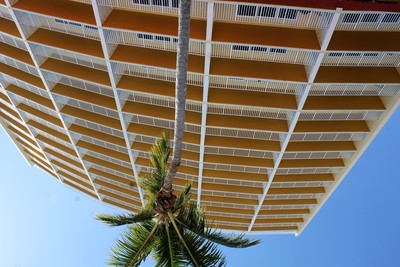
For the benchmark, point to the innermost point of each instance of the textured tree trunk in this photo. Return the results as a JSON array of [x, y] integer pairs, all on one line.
[[180, 96]]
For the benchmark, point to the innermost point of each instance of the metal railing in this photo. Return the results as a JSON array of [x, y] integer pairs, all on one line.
[[11, 40], [382, 21], [154, 73], [318, 155], [273, 15], [68, 56], [262, 53], [258, 85], [31, 22], [340, 115], [356, 58], [150, 40], [4, 13], [355, 89], [19, 65], [170, 7], [301, 137]]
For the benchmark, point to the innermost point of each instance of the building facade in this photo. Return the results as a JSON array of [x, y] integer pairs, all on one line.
[[282, 99]]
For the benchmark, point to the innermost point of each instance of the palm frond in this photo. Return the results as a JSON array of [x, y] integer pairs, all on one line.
[[135, 245], [167, 252], [182, 240], [184, 198], [194, 220], [204, 252], [122, 219], [159, 154]]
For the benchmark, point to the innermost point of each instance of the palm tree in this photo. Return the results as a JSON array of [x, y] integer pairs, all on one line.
[[165, 197], [171, 227], [177, 237]]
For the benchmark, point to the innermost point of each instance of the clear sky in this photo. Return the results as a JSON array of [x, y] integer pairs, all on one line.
[[45, 224]]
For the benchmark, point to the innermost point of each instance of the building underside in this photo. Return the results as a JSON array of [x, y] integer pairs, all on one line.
[[281, 101]]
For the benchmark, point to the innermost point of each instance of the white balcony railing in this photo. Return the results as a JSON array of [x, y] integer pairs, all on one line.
[[31, 22], [258, 85], [238, 152], [154, 73], [11, 40], [310, 137], [149, 40], [4, 13], [19, 65], [355, 89], [263, 53], [71, 57], [340, 115], [273, 15], [247, 111], [356, 58], [369, 21], [170, 7], [318, 155]]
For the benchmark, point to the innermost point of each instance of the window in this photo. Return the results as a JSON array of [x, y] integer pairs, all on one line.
[[278, 51], [75, 24], [157, 38], [240, 48], [142, 2], [352, 54], [165, 39], [61, 21], [391, 18], [335, 54], [351, 18], [371, 54], [365, 18], [90, 27], [266, 12], [285, 13], [258, 49], [145, 36], [370, 18], [246, 10], [162, 3]]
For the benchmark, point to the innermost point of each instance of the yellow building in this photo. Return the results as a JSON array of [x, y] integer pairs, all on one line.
[[282, 99]]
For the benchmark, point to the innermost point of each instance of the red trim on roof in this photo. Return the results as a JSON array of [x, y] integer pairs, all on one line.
[[330, 4]]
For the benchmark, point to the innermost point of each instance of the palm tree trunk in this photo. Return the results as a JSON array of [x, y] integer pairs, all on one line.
[[180, 91]]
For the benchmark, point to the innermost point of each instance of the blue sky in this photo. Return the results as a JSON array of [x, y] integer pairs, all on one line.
[[46, 224]]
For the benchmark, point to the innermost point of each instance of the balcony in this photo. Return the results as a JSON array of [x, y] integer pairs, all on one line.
[[153, 41], [154, 89], [31, 22], [13, 41], [258, 70], [354, 58], [265, 36], [374, 41], [155, 58], [381, 21], [170, 7], [354, 75], [67, 42], [69, 10], [150, 23], [77, 71]]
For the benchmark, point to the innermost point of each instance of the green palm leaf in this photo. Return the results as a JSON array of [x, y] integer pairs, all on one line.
[[167, 253], [135, 245], [194, 220], [122, 219]]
